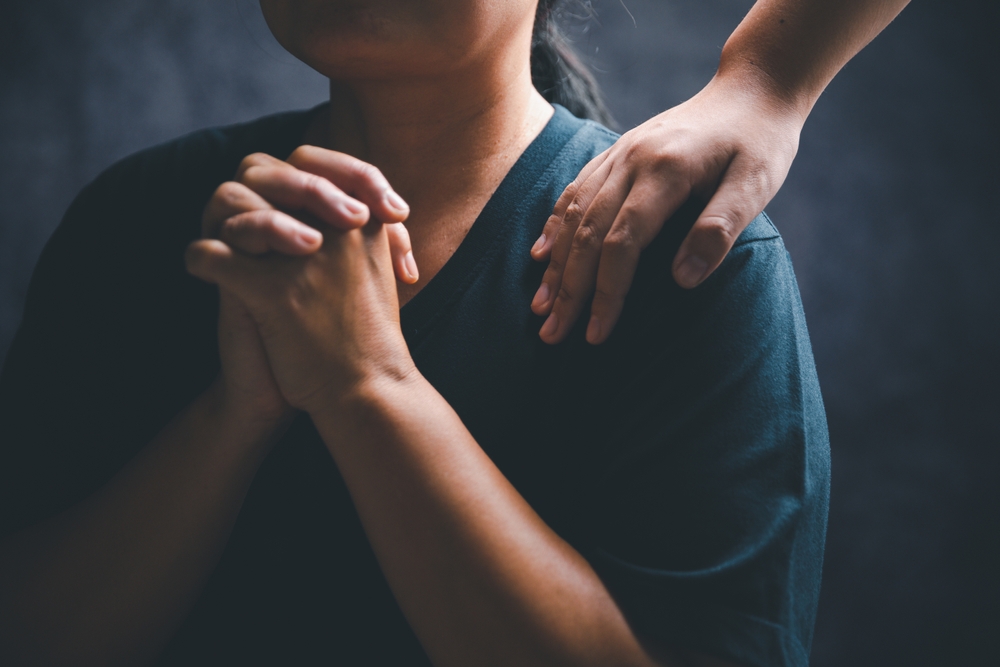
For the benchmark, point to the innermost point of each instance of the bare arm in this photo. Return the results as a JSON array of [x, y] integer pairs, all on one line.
[[480, 576], [731, 145], [800, 45], [109, 580]]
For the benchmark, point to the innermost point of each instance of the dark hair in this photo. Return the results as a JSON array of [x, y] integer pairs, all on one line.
[[558, 73]]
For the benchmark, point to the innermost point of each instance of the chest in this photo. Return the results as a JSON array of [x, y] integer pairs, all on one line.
[[436, 232]]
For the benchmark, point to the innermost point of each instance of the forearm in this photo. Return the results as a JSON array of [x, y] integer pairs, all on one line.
[[481, 578], [794, 48], [108, 581]]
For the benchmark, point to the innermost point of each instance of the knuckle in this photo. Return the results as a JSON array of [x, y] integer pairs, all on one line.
[[301, 153], [586, 238], [574, 212], [666, 161], [264, 221], [604, 299], [253, 160], [312, 185], [565, 295], [398, 236], [367, 172], [229, 191], [719, 230], [229, 194], [230, 227], [571, 190], [638, 152], [621, 241]]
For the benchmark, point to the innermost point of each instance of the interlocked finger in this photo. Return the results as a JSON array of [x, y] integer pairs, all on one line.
[[262, 231], [355, 177], [294, 191], [216, 262], [230, 198]]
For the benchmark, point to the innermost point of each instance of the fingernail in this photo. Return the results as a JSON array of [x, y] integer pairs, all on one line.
[[550, 326], [411, 266], [309, 238], [691, 271], [541, 296], [353, 208], [396, 202], [593, 330], [539, 244]]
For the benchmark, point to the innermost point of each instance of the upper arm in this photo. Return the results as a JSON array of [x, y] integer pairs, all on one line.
[[100, 320], [709, 513]]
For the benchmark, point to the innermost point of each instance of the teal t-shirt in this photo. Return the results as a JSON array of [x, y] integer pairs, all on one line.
[[687, 458]]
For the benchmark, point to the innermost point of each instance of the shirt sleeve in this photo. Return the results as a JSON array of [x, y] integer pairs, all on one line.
[[708, 518], [109, 306]]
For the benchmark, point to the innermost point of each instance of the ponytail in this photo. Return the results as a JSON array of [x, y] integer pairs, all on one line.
[[558, 73]]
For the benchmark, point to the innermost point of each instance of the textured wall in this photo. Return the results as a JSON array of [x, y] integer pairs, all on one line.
[[890, 213]]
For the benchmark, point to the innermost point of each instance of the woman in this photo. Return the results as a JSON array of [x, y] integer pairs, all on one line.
[[316, 462]]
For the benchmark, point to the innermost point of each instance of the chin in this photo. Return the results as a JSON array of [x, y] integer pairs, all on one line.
[[371, 39]]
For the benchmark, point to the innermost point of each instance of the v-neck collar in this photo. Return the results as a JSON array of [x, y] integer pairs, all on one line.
[[484, 235]]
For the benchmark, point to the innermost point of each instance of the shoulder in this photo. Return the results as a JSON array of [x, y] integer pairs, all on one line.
[[122, 239], [110, 306], [714, 462], [148, 205], [185, 168], [742, 330], [590, 138], [576, 140]]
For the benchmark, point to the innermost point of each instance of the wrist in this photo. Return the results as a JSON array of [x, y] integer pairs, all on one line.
[[242, 425], [753, 77], [371, 393]]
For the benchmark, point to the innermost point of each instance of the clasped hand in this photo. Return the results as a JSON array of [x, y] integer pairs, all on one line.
[[305, 269], [297, 302]]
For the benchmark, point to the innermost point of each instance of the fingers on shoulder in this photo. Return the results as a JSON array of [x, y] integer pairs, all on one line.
[[543, 246], [745, 189]]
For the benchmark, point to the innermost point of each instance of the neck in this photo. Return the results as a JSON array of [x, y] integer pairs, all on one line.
[[439, 137]]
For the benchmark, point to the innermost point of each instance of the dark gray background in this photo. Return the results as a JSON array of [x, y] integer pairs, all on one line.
[[890, 214]]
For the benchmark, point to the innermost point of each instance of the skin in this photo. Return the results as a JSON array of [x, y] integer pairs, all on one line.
[[309, 321], [731, 145], [479, 575], [108, 581]]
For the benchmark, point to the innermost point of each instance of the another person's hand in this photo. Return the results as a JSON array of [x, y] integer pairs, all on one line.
[[254, 215], [730, 145]]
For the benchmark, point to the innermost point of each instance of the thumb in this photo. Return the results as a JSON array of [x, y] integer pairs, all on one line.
[[215, 262], [740, 197]]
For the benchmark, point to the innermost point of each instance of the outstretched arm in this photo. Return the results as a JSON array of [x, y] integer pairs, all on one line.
[[731, 145]]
